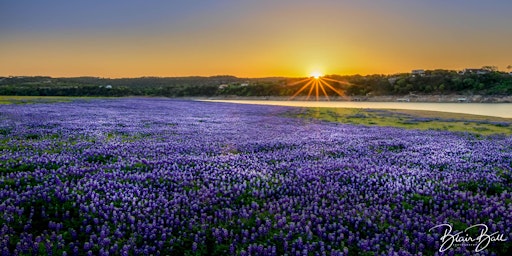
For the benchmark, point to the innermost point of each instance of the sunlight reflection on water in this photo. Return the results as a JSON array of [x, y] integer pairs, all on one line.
[[485, 109]]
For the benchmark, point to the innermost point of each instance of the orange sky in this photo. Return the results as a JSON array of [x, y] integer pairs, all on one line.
[[250, 39]]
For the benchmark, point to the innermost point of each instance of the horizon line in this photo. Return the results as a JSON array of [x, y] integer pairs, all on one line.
[[226, 75]]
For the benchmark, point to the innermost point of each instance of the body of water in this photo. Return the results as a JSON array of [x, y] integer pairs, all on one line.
[[485, 109]]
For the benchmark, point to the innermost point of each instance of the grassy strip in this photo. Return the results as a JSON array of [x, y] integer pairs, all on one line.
[[413, 119], [37, 99]]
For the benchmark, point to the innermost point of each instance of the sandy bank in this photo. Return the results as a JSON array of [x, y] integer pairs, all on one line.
[[387, 98]]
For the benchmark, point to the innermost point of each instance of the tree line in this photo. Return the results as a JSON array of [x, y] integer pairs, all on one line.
[[429, 82], [433, 82]]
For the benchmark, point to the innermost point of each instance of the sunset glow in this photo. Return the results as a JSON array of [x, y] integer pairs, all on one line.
[[256, 39]]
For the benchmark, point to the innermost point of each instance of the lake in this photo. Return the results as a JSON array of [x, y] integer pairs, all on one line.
[[485, 109]]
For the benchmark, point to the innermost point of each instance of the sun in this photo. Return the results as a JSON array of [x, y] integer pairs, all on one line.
[[316, 74], [318, 83]]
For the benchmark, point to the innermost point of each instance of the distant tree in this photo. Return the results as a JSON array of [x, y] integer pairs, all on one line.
[[509, 67], [441, 87], [490, 68]]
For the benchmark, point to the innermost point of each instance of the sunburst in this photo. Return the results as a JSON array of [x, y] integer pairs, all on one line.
[[316, 75], [317, 82]]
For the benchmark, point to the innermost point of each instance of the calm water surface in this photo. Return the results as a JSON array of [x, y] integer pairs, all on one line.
[[485, 109]]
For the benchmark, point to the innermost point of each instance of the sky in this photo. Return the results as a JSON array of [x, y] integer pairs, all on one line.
[[263, 38]]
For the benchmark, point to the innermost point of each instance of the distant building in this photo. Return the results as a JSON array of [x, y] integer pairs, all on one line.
[[244, 84], [223, 86], [108, 86], [418, 72], [477, 71]]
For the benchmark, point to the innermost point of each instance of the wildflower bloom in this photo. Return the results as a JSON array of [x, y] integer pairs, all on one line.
[[111, 177]]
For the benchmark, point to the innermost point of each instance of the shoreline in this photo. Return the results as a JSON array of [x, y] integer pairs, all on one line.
[[496, 109], [384, 98]]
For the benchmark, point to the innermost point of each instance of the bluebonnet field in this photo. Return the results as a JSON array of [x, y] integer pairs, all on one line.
[[158, 176]]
